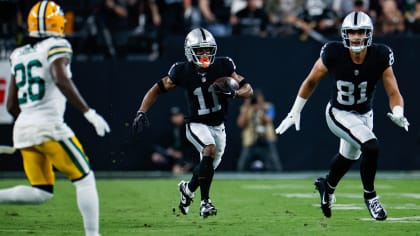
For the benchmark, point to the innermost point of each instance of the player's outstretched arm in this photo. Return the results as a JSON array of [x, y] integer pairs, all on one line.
[[141, 120], [306, 89], [396, 101]]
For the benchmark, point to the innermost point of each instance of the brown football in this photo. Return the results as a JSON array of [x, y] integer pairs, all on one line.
[[225, 82]]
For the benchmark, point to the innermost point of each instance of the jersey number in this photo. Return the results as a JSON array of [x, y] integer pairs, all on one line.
[[346, 92], [36, 85], [201, 101]]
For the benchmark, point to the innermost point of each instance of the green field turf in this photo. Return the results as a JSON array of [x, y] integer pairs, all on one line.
[[247, 207]]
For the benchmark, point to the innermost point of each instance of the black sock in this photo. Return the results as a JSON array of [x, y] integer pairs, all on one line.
[[369, 195], [339, 167], [194, 184], [205, 176], [369, 164]]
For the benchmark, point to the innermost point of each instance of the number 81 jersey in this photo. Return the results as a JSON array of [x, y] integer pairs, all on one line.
[[355, 84], [40, 100]]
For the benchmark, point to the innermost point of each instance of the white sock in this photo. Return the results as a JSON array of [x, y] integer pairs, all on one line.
[[22, 194], [88, 202]]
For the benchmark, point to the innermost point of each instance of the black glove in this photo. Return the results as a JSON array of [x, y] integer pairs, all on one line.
[[141, 121], [227, 92]]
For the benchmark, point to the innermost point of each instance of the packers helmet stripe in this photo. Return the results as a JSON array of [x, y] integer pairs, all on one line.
[[77, 156], [59, 50], [41, 17]]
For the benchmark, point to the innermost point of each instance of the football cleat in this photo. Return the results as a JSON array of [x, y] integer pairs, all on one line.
[[207, 209], [376, 210], [326, 199], [186, 199]]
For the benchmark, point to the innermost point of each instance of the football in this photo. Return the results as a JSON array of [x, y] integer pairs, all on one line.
[[225, 82]]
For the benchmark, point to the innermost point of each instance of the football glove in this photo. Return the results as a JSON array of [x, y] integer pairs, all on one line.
[[293, 117], [228, 92], [397, 116], [140, 121], [101, 126]]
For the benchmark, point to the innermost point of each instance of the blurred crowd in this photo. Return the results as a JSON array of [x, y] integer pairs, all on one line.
[[122, 27]]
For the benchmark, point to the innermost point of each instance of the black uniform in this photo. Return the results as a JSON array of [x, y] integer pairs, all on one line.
[[205, 106], [354, 84]]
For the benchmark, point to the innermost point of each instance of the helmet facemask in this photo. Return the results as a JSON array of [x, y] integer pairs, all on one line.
[[203, 56], [200, 48], [357, 22], [357, 45]]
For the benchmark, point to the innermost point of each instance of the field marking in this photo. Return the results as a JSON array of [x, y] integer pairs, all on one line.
[[337, 206], [409, 195], [273, 186], [304, 186], [347, 195], [407, 219], [39, 230]]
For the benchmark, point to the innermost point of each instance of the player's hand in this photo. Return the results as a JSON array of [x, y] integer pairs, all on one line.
[[291, 118], [399, 120], [228, 92], [140, 121], [101, 126]]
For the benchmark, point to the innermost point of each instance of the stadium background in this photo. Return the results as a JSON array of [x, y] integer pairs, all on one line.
[[115, 87]]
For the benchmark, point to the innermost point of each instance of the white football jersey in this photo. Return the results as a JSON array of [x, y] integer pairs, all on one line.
[[41, 102]]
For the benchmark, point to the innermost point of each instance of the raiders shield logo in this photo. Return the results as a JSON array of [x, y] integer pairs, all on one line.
[[356, 72]]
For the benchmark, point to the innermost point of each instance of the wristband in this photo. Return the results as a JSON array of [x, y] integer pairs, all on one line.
[[398, 111], [298, 105]]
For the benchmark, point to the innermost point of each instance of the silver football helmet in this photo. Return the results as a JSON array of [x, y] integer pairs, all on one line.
[[200, 38], [357, 20]]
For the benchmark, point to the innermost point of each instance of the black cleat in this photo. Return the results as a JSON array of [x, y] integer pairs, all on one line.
[[376, 210], [207, 209], [326, 199]]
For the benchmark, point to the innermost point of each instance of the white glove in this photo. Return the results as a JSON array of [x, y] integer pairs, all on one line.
[[7, 149], [98, 122], [293, 117], [289, 121], [397, 116]]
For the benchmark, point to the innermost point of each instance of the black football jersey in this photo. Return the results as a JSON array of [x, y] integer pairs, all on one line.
[[354, 84], [205, 106]]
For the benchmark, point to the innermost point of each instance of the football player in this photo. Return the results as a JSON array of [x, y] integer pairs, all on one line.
[[207, 105], [355, 65], [40, 86]]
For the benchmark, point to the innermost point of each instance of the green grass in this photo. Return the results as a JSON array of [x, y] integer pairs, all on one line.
[[246, 207]]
